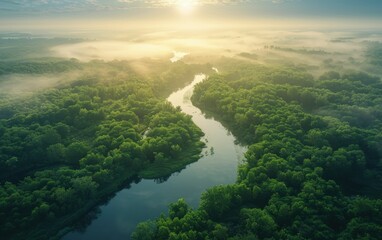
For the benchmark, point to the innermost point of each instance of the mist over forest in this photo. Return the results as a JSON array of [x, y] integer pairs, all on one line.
[[190, 120]]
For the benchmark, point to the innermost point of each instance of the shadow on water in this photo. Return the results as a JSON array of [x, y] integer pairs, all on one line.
[[142, 199], [84, 222], [162, 179]]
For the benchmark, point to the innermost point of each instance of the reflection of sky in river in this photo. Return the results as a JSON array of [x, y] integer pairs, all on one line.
[[148, 199]]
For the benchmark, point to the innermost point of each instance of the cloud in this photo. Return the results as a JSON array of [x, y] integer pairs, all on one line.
[[167, 3], [89, 5], [201, 2]]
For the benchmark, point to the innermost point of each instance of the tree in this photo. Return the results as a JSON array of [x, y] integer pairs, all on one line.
[[56, 153], [75, 151], [145, 231], [258, 222], [178, 209]]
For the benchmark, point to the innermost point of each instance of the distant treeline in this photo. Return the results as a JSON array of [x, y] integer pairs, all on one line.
[[298, 50], [24, 46], [374, 53], [38, 67]]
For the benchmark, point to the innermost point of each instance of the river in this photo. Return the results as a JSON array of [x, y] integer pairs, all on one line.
[[148, 198]]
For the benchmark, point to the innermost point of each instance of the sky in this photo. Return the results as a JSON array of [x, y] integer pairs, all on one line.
[[24, 11]]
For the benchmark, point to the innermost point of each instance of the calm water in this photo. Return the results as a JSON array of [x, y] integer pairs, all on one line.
[[148, 199]]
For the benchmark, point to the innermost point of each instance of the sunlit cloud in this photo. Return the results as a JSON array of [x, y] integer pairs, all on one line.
[[148, 8], [79, 5], [166, 3]]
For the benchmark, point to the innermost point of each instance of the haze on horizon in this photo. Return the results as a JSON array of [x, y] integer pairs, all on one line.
[[25, 15], [86, 122]]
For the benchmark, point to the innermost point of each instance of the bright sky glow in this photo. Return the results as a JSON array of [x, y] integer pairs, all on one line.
[[287, 8], [186, 6], [47, 13]]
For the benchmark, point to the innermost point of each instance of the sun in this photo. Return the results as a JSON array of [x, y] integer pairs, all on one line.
[[186, 6]]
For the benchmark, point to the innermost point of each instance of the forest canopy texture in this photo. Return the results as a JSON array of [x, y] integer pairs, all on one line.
[[65, 150], [313, 168]]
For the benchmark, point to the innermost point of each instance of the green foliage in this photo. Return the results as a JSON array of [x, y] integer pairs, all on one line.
[[63, 150], [178, 209], [20, 46], [38, 67], [374, 53], [145, 231], [312, 169]]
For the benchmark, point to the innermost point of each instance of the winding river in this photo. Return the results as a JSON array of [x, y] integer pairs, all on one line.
[[148, 198]]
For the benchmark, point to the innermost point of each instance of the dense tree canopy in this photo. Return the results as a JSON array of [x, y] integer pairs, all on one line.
[[63, 150], [313, 167]]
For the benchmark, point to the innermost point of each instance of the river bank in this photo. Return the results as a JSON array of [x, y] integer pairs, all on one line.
[[148, 198]]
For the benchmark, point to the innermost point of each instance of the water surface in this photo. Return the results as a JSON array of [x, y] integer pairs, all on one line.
[[148, 198]]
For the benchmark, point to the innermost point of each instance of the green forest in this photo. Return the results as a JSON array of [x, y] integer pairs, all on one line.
[[64, 150], [313, 168], [190, 120]]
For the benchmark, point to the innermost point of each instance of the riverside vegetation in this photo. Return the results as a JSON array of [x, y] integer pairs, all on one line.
[[312, 170], [64, 150], [313, 167]]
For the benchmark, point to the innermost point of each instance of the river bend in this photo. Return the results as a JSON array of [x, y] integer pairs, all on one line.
[[148, 198]]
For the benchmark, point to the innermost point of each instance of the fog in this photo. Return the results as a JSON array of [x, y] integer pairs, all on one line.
[[345, 49], [110, 50], [317, 51], [20, 85], [98, 128]]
